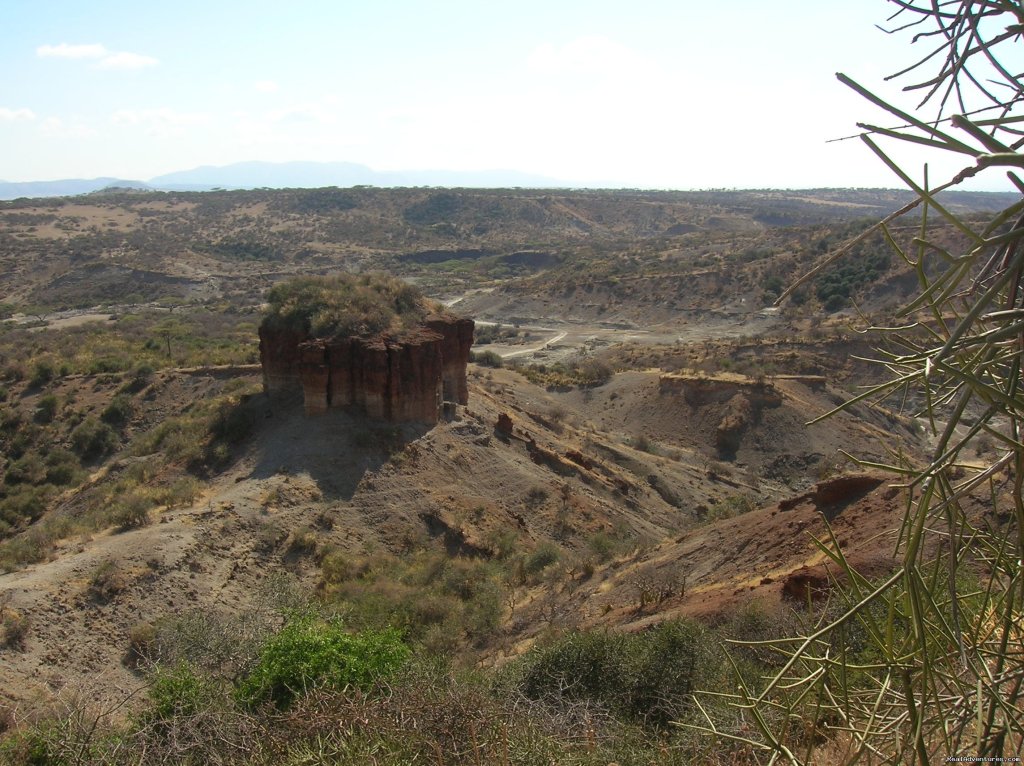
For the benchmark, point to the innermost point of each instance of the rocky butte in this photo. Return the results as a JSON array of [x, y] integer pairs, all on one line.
[[368, 343]]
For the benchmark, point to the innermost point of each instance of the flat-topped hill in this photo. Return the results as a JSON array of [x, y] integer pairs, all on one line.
[[347, 305], [367, 342]]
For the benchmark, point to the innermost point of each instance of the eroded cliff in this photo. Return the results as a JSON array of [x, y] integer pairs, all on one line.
[[397, 378]]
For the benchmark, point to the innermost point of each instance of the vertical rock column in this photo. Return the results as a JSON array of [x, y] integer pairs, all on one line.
[[415, 385], [279, 357], [370, 375], [456, 340], [340, 358], [315, 375]]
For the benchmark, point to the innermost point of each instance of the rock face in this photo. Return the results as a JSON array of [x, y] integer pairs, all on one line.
[[400, 380], [700, 391], [456, 340], [738, 399], [504, 424]]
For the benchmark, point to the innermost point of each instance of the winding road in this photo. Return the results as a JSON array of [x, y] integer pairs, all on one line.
[[534, 349]]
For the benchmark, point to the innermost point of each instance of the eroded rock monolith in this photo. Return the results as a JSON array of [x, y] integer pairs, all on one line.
[[399, 379]]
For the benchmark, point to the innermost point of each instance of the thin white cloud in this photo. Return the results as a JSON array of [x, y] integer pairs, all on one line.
[[267, 86], [54, 126], [162, 122], [103, 57], [65, 51], [125, 60], [163, 114], [13, 115]]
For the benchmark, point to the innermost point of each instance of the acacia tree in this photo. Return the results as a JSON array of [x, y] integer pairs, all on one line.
[[929, 661]]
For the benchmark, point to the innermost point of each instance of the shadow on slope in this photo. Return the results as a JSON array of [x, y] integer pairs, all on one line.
[[335, 449]]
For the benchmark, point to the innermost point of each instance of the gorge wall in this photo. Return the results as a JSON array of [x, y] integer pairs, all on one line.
[[735, 399], [396, 379]]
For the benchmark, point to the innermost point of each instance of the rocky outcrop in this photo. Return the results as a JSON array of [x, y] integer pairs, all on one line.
[[739, 401], [806, 584], [404, 379], [699, 391], [279, 357], [456, 340], [831, 496], [731, 427]]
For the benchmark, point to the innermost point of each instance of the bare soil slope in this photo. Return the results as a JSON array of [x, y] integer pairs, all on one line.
[[562, 468]]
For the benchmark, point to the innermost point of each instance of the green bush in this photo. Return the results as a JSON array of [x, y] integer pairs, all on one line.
[[232, 423], [139, 379], [345, 305], [733, 505], [482, 613], [10, 419], [592, 372], [28, 469], [646, 678], [92, 439], [302, 541], [107, 364], [541, 557], [437, 208], [489, 333], [583, 371], [309, 653], [336, 567], [130, 511], [183, 491], [46, 409], [25, 504], [62, 467], [42, 373], [32, 747], [603, 546], [13, 372], [241, 250], [174, 693], [119, 411], [486, 358], [837, 286]]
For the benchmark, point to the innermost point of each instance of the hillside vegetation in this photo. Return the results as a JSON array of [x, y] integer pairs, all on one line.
[[194, 573], [346, 305], [222, 248]]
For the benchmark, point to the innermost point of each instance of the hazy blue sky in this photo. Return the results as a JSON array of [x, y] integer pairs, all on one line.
[[650, 93]]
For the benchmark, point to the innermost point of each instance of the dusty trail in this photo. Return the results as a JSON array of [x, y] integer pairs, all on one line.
[[535, 349]]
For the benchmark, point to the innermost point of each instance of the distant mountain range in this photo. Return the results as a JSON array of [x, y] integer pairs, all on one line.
[[314, 175], [280, 175]]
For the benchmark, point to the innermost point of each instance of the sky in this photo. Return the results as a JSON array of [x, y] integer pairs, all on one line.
[[681, 94]]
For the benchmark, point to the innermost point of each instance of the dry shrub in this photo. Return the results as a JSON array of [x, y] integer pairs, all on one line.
[[142, 642], [302, 542], [106, 581], [15, 629]]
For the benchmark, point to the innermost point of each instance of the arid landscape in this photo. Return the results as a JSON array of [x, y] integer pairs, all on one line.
[[455, 384], [640, 445]]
